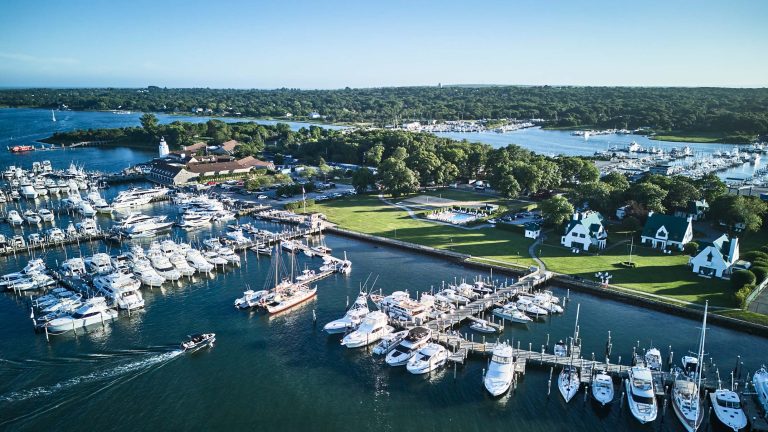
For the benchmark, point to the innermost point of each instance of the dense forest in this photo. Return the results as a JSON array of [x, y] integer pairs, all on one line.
[[699, 110]]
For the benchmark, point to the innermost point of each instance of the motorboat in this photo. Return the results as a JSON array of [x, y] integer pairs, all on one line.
[[214, 258], [28, 191], [164, 267], [230, 256], [33, 281], [569, 382], [85, 209], [417, 338], [727, 408], [93, 311], [194, 220], [67, 303], [88, 227], [100, 263], [690, 364], [180, 262], [73, 267], [290, 297], [640, 395], [32, 217], [454, 297], [238, 237], [53, 296], [431, 357], [526, 305], [352, 318], [653, 359], [760, 382], [373, 328], [147, 274], [561, 349], [251, 299], [512, 314], [14, 218], [305, 275], [136, 197], [33, 266], [388, 342], [198, 341], [122, 289], [34, 238], [501, 370], [198, 262], [602, 388], [46, 215], [483, 326]]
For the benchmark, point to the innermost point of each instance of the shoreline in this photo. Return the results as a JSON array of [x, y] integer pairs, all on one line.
[[567, 281]]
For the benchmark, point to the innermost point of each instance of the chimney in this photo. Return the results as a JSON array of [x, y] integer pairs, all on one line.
[[650, 213]]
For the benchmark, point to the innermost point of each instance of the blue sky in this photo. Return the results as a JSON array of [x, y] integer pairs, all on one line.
[[332, 44]]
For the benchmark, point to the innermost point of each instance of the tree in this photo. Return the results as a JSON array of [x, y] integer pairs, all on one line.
[[374, 154], [309, 173], [362, 179], [616, 180], [597, 195], [735, 210], [649, 196], [711, 187], [680, 192], [691, 248], [739, 278], [149, 124], [396, 178], [556, 210], [252, 148]]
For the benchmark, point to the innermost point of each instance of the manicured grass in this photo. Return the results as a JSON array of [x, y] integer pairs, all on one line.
[[368, 214], [746, 316], [753, 240], [656, 273], [703, 137]]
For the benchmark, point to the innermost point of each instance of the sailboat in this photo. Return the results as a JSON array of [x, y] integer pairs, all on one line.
[[286, 293], [53, 116], [569, 380], [686, 399]]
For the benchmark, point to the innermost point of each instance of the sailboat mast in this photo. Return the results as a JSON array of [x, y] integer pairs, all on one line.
[[700, 365]]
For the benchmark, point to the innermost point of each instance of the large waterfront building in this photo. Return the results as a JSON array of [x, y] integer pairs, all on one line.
[[666, 231]]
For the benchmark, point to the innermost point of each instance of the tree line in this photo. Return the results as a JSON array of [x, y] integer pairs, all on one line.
[[712, 110]]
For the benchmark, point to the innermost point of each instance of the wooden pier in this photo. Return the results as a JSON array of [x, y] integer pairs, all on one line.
[[50, 244]]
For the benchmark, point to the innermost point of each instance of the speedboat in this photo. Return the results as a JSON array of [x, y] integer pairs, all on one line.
[[430, 357], [351, 319], [568, 382], [93, 311], [32, 217], [727, 407], [512, 314], [602, 388], [198, 262], [198, 341], [46, 215], [417, 338], [501, 370], [760, 381], [373, 327], [14, 218], [389, 342], [653, 359], [640, 396], [251, 299], [483, 326]]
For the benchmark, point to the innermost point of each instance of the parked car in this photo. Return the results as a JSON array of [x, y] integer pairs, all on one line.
[[262, 197]]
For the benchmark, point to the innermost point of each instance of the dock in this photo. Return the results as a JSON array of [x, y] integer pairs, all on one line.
[[50, 244]]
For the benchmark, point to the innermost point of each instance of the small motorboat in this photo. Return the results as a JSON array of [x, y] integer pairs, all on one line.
[[483, 326], [727, 407], [198, 341], [602, 388], [389, 342]]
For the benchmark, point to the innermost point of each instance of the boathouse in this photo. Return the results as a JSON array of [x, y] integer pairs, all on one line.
[[666, 231]]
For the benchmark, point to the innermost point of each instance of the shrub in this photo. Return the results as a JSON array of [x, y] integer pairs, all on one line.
[[759, 263], [764, 248], [754, 255], [740, 278], [742, 294], [691, 248], [298, 205], [760, 273]]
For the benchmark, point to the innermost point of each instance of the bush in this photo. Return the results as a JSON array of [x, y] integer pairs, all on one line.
[[742, 294], [760, 273], [764, 249], [754, 255], [740, 278], [298, 205], [691, 248], [759, 263]]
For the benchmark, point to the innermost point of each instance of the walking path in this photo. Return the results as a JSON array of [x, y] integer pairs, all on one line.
[[414, 216]]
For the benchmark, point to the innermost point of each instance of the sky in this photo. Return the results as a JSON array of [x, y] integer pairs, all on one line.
[[336, 44]]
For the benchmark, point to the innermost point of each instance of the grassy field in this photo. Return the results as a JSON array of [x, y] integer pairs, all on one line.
[[656, 273], [370, 215], [703, 137], [746, 316]]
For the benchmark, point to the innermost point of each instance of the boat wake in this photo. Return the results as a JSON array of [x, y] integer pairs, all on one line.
[[117, 371]]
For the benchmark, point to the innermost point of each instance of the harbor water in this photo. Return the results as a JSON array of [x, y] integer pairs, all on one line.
[[283, 372]]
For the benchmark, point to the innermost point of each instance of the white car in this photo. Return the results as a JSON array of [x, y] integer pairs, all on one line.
[[262, 197]]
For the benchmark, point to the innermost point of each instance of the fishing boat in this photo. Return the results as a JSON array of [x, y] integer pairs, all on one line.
[[14, 218], [483, 326], [373, 328], [430, 357], [602, 388], [46, 215], [501, 370], [568, 382], [352, 318], [21, 148], [417, 338], [32, 217], [727, 408], [640, 396], [198, 341]]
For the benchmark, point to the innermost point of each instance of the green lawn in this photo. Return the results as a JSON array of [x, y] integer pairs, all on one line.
[[746, 316], [369, 215], [656, 273], [703, 137]]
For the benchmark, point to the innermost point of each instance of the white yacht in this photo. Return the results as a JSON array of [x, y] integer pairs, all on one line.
[[290, 297], [569, 382], [602, 388], [147, 274], [180, 262], [388, 342], [194, 220], [351, 319], [55, 235], [231, 257], [121, 288], [73, 267], [727, 407], [136, 225], [760, 381], [640, 396], [32, 217], [88, 226], [85, 209], [430, 357], [94, 311], [198, 262], [28, 191], [501, 370], [251, 299], [14, 218], [653, 359], [526, 305], [373, 327], [214, 258], [417, 338], [46, 215], [136, 197], [33, 281], [164, 267], [512, 314], [99, 263]]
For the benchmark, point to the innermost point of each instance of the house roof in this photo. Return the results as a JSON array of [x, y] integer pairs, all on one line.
[[694, 207], [195, 147], [229, 146], [676, 226], [592, 220], [231, 165], [721, 245], [532, 226]]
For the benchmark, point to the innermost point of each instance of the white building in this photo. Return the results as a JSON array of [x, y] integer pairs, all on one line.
[[162, 149], [584, 230], [666, 231], [532, 230], [717, 258]]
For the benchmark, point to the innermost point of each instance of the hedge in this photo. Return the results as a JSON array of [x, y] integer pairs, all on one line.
[[742, 294], [760, 273], [754, 255], [740, 278], [296, 205]]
